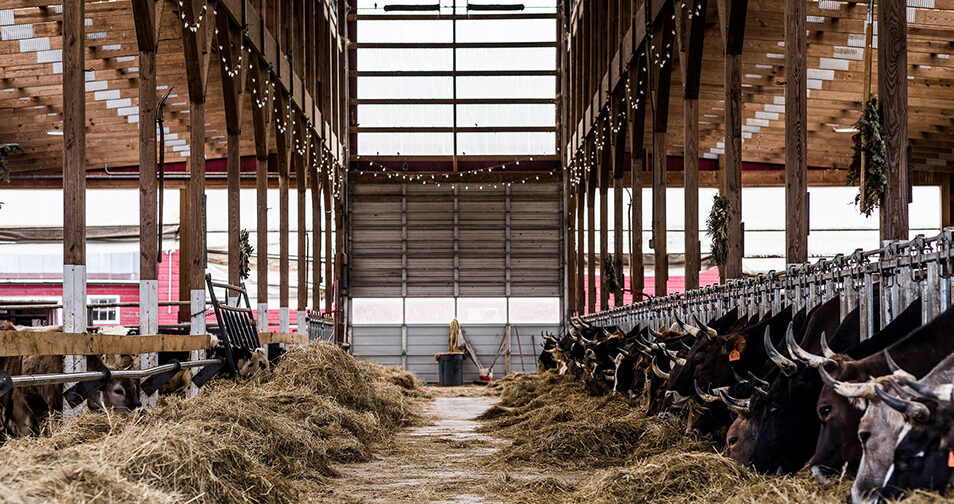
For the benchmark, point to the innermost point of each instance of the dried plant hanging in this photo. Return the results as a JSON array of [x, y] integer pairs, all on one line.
[[245, 252], [718, 228], [870, 145], [610, 275], [7, 150]]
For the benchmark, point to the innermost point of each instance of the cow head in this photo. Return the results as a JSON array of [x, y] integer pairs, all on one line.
[[252, 362], [922, 457], [119, 394], [739, 440]]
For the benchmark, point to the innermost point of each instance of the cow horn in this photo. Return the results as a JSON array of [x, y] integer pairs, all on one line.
[[800, 353], [786, 365], [756, 379], [684, 345], [709, 398], [847, 389], [894, 367], [679, 361], [939, 392], [738, 378], [826, 350], [704, 329], [737, 405], [911, 409], [623, 351], [673, 355], [659, 372], [760, 391]]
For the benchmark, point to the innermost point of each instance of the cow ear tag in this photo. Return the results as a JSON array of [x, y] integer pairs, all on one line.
[[734, 355], [950, 458]]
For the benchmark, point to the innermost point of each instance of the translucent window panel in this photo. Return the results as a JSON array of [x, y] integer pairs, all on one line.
[[429, 310], [523, 144], [482, 310], [405, 144], [405, 115], [374, 311], [506, 87], [530, 6], [405, 87], [370, 59], [543, 114], [535, 310], [506, 30], [405, 31], [377, 6], [506, 58]]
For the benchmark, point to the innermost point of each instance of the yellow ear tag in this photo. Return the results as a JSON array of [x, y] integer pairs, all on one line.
[[734, 356]]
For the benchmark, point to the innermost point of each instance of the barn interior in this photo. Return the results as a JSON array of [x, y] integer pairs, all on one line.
[[523, 195]]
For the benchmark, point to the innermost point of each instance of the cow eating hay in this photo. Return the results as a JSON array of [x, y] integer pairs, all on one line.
[[270, 439], [554, 422]]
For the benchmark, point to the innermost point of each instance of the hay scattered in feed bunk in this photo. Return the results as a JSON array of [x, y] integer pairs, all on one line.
[[270, 439]]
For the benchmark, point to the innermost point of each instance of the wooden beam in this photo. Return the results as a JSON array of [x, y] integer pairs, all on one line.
[[618, 156], [283, 141], [267, 338], [315, 155], [796, 147], [690, 39], [604, 156], [592, 179], [329, 260], [638, 105], [301, 173], [581, 206], [261, 120], [25, 343], [732, 26], [662, 70], [233, 70], [74, 157], [893, 97]]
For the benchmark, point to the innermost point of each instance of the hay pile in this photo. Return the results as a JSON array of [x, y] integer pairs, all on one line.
[[272, 439], [555, 421]]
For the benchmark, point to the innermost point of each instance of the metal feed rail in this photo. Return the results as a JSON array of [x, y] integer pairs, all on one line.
[[898, 273]]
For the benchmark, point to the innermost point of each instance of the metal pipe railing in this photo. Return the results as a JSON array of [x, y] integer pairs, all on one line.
[[60, 378], [898, 272]]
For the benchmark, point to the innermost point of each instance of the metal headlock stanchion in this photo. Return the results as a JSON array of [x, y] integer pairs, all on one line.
[[897, 273]]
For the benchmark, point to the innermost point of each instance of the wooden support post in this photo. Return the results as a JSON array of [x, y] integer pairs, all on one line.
[[619, 152], [732, 15], [147, 14], [893, 97], [261, 120], [639, 104], [185, 291], [796, 149], [233, 69], [690, 35], [197, 48], [74, 181], [581, 205], [592, 178], [604, 157], [946, 200], [570, 243], [329, 260], [301, 171], [663, 75], [315, 156], [283, 141]]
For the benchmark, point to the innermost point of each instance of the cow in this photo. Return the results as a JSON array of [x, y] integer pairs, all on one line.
[[922, 456], [843, 400], [681, 387], [547, 360], [881, 427], [783, 421], [118, 394]]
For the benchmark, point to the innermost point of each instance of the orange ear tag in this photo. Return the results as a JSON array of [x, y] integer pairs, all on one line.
[[735, 355], [950, 458]]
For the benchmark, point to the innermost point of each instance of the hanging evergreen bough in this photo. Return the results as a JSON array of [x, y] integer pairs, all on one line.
[[245, 252], [7, 150], [871, 141], [609, 275], [718, 228]]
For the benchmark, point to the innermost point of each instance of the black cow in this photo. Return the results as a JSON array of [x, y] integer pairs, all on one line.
[[922, 456]]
